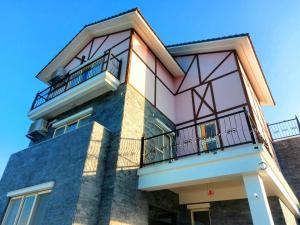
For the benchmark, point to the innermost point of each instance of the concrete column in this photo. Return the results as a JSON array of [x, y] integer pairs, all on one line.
[[257, 199]]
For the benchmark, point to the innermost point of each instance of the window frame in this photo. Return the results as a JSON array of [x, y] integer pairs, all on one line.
[[204, 141], [200, 210], [22, 198], [163, 128], [66, 125]]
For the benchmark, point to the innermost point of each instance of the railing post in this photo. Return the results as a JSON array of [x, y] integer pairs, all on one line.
[[298, 123], [119, 69], [108, 59], [34, 101], [249, 126], [142, 151]]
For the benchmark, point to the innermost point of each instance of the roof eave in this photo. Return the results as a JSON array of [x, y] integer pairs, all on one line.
[[130, 20]]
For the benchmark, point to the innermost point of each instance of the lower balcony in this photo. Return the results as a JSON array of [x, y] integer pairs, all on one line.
[[215, 160], [81, 85]]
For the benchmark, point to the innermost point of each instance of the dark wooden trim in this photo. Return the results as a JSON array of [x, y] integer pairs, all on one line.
[[155, 81], [122, 52], [203, 53], [203, 100], [91, 49], [218, 122], [155, 54], [198, 68], [185, 75], [213, 114], [129, 58], [212, 72], [93, 40], [217, 78], [151, 103], [244, 86], [153, 72], [97, 49]]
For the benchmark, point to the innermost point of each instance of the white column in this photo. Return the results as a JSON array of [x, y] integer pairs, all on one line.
[[258, 201]]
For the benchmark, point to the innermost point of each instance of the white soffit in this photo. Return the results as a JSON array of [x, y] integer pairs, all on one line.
[[247, 56], [123, 22]]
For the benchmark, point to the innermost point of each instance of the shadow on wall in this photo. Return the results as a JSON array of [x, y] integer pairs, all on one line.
[[122, 202]]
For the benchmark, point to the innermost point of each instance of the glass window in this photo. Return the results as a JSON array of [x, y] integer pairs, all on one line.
[[208, 135], [40, 209], [12, 211], [200, 218], [83, 121], [71, 126], [59, 131], [163, 145], [26, 209]]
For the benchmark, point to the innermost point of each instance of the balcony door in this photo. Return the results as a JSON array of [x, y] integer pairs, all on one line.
[[200, 217], [209, 139]]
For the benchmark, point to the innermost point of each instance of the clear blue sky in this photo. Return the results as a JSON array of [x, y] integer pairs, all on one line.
[[32, 32]]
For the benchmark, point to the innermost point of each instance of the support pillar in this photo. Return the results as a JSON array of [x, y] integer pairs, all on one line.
[[258, 201]]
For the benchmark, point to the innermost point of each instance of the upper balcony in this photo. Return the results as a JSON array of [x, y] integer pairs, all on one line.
[[80, 85]]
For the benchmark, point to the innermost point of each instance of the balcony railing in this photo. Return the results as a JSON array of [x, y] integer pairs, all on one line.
[[107, 62], [285, 129], [217, 134]]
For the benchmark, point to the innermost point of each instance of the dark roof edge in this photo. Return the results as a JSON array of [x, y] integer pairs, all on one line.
[[208, 40], [105, 19]]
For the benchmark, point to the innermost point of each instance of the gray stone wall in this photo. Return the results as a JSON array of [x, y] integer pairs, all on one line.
[[238, 212], [88, 204], [281, 214], [122, 202], [288, 153], [66, 161], [230, 212]]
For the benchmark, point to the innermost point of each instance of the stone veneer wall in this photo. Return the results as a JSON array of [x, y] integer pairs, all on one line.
[[238, 212], [70, 161], [127, 116], [288, 155], [122, 202]]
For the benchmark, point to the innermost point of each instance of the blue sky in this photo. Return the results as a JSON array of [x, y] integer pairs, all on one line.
[[32, 32]]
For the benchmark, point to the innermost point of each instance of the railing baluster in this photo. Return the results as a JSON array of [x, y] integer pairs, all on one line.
[[237, 127], [249, 126], [77, 77], [142, 151]]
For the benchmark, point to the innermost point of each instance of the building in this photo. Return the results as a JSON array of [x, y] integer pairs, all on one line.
[[134, 132]]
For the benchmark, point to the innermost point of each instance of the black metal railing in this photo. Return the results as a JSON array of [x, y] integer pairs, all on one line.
[[107, 62], [285, 129], [208, 136]]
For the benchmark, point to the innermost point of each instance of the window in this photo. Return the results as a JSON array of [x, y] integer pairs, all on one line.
[[200, 217], [208, 136], [163, 147], [72, 125], [26, 209]]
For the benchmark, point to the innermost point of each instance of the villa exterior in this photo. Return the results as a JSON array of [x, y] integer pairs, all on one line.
[[134, 132]]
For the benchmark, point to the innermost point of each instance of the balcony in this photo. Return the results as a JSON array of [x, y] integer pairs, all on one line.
[[285, 129], [209, 136], [218, 149], [82, 84]]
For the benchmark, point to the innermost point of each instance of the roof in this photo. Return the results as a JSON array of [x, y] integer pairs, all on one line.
[[131, 19], [209, 39]]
